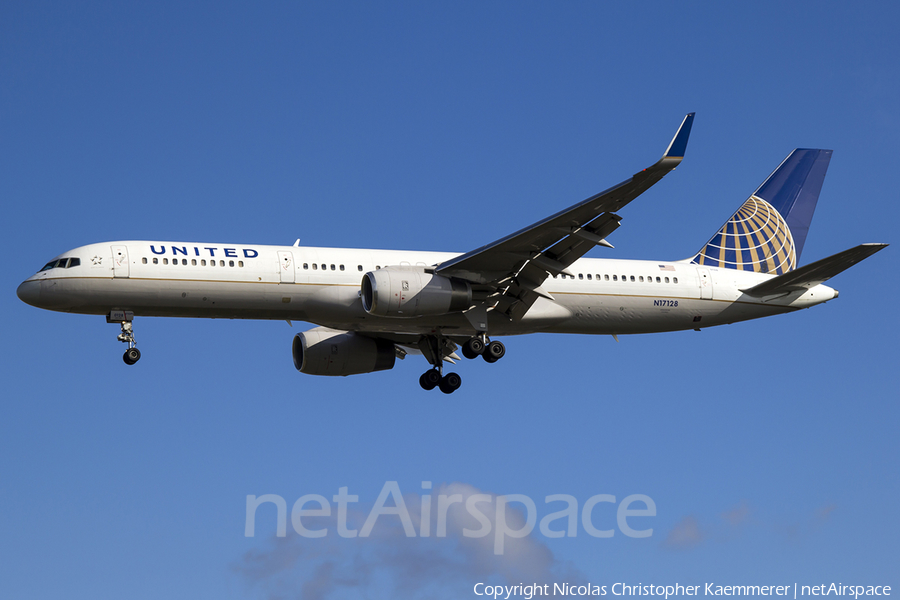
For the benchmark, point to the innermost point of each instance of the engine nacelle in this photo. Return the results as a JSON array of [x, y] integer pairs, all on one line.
[[411, 292], [323, 351]]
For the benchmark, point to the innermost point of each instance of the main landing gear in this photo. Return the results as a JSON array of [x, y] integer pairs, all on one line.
[[433, 349], [132, 355], [432, 378], [478, 346]]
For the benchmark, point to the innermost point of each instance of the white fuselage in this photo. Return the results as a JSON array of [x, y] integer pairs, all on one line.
[[322, 285]]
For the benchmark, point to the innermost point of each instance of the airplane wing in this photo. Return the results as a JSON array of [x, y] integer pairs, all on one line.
[[815, 273], [512, 269]]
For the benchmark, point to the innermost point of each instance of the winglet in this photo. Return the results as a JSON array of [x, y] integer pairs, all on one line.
[[679, 142]]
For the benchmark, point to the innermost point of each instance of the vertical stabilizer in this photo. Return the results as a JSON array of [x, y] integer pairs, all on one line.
[[768, 231]]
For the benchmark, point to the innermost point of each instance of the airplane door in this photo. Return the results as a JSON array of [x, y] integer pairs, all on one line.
[[706, 287], [120, 261], [286, 267]]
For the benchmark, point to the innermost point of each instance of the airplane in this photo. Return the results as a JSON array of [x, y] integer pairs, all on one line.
[[371, 307]]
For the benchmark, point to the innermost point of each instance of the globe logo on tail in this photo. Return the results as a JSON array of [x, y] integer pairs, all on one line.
[[756, 238]]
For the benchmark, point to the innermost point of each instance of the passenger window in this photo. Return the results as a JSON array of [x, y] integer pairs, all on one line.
[[667, 280], [212, 263], [230, 263], [155, 261], [674, 280], [359, 268], [606, 277], [305, 266], [184, 261], [144, 260], [165, 261], [193, 262], [580, 276], [202, 262], [315, 267], [632, 278], [641, 278], [615, 278], [324, 267], [240, 263], [589, 276], [342, 267], [221, 263], [658, 280], [332, 267]]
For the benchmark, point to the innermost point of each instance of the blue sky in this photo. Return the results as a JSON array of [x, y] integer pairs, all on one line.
[[769, 447]]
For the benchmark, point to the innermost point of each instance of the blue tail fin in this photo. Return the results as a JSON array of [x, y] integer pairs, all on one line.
[[768, 231]]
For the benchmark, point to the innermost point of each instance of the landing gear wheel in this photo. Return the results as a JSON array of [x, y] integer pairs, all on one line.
[[494, 352], [124, 317], [450, 383], [131, 356], [473, 348], [430, 379]]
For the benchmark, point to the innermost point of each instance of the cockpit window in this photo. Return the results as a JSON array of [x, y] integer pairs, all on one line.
[[62, 263]]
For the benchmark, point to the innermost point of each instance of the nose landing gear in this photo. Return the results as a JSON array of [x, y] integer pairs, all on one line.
[[132, 355]]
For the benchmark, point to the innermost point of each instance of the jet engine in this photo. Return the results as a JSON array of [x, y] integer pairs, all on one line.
[[408, 292], [323, 351]]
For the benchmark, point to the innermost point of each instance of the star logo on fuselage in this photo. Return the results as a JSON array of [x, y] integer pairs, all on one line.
[[96, 260]]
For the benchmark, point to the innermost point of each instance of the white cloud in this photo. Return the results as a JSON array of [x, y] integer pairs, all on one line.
[[389, 564]]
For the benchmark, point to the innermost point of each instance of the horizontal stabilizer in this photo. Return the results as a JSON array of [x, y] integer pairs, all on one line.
[[815, 273]]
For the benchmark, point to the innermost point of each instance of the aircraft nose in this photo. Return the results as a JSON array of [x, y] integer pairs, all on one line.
[[29, 292]]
